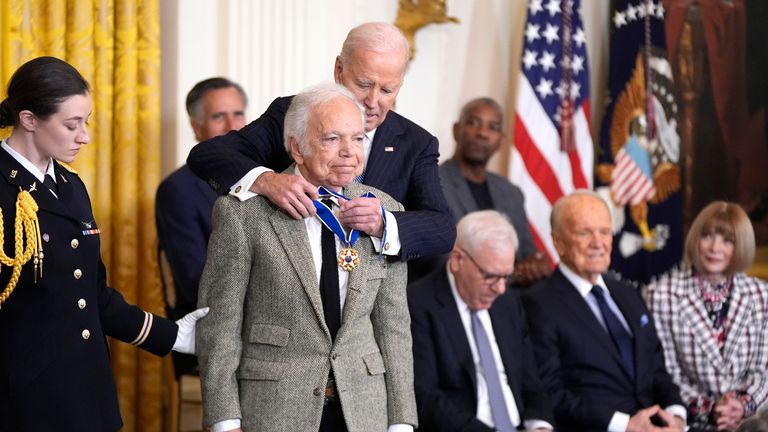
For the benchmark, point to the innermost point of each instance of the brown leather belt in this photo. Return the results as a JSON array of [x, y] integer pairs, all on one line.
[[330, 391]]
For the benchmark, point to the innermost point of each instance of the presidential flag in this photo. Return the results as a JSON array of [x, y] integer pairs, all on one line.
[[552, 153], [638, 164]]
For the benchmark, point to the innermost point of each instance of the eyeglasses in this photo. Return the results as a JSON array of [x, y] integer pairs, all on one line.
[[489, 278]]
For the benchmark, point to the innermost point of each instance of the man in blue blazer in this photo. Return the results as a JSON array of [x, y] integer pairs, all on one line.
[[184, 202], [401, 157], [595, 341], [453, 390]]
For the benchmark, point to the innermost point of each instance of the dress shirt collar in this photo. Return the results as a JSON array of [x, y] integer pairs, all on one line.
[[463, 308], [367, 145], [370, 134], [29, 166], [582, 285]]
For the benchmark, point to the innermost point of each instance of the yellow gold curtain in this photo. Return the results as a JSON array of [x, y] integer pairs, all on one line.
[[115, 45]]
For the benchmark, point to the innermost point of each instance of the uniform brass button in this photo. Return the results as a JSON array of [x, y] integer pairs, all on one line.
[[386, 246], [81, 303], [78, 273], [238, 189], [46, 237], [317, 392], [86, 334], [74, 243]]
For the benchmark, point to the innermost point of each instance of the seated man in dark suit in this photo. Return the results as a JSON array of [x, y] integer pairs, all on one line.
[[184, 203], [469, 186], [595, 341], [463, 326], [400, 156]]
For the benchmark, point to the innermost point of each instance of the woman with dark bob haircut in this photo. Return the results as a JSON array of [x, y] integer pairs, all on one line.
[[712, 320], [55, 307]]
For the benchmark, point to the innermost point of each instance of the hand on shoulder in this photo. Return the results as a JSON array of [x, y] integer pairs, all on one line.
[[289, 192]]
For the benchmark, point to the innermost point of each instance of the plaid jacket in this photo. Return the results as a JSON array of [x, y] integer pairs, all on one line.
[[691, 353]]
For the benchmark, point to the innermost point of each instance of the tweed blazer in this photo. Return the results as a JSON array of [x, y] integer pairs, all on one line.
[[691, 353], [265, 351]]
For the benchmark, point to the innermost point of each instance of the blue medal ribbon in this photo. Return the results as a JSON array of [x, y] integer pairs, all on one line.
[[332, 222]]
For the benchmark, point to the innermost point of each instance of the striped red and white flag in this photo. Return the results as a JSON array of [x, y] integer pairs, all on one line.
[[631, 179], [552, 153]]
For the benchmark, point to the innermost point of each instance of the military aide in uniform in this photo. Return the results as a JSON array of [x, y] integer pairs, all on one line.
[[55, 307]]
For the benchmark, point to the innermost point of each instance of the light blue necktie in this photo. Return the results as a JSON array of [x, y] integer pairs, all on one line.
[[491, 373]]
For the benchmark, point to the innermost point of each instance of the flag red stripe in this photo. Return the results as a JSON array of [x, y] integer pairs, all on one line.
[[579, 182], [537, 166]]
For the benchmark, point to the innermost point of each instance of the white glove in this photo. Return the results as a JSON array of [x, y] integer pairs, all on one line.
[[185, 337]]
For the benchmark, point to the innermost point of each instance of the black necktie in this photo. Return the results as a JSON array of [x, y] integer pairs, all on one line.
[[621, 338], [329, 279], [48, 181]]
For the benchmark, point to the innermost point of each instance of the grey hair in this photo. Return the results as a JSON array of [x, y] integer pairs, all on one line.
[[485, 228], [302, 104], [378, 37], [198, 92], [556, 217]]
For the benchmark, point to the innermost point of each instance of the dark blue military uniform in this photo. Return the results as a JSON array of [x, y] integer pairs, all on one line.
[[55, 372]]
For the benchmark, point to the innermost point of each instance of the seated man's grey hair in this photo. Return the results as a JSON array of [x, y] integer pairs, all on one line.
[[485, 228]]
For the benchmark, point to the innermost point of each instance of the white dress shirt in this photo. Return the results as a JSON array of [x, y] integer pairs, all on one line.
[[314, 229], [483, 403], [620, 420]]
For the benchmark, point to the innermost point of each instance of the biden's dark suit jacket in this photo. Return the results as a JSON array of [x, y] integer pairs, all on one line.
[[265, 350], [446, 387], [581, 366], [402, 163]]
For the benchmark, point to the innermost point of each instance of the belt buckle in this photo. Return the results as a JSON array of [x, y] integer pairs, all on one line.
[[330, 392]]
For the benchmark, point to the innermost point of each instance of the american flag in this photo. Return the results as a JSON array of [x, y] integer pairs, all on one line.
[[552, 152], [632, 177], [640, 147]]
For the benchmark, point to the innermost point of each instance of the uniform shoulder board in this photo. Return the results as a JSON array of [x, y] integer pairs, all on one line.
[[67, 167]]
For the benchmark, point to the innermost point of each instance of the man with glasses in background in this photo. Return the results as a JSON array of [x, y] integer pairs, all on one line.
[[473, 363]]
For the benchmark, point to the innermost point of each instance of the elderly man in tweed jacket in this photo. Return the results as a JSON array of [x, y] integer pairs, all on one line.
[[287, 347]]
